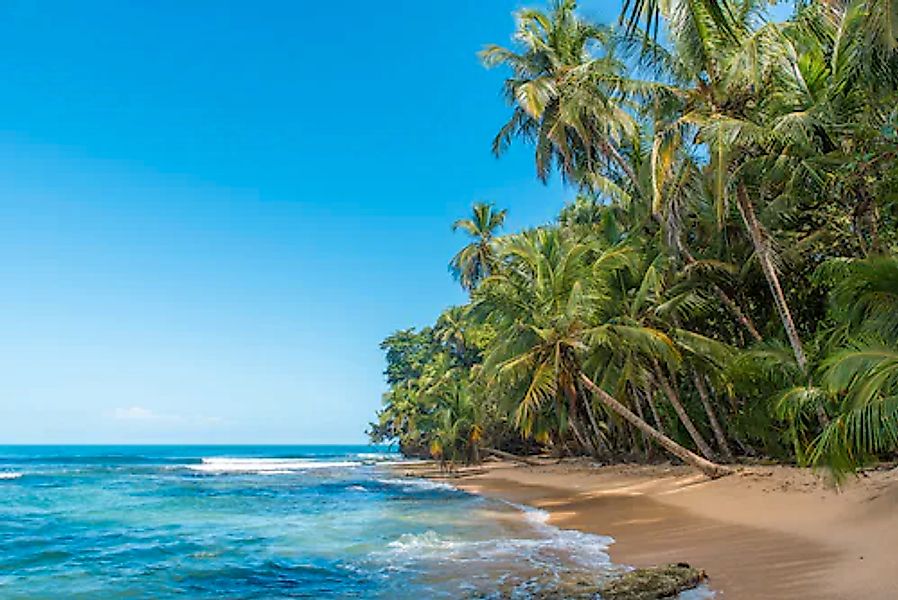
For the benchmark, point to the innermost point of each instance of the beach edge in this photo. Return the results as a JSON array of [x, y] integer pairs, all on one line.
[[766, 531]]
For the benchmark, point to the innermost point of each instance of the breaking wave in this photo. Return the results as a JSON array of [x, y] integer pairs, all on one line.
[[411, 485], [551, 545], [266, 466]]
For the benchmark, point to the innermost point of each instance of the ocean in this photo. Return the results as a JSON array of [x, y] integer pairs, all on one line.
[[265, 522]]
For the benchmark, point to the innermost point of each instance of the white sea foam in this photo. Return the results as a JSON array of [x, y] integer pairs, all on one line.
[[266, 466], [583, 549], [377, 456], [427, 541], [583, 545], [547, 549], [534, 515], [550, 549], [7, 475], [411, 484]]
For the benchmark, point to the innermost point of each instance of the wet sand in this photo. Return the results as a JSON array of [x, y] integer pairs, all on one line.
[[764, 532]]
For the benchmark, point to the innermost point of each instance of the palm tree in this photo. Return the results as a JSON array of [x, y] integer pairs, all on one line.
[[636, 12], [454, 420], [554, 309], [659, 305], [729, 268], [718, 73], [821, 81], [769, 102], [855, 366], [564, 96], [862, 374], [573, 105], [864, 378], [476, 261], [449, 330], [880, 29]]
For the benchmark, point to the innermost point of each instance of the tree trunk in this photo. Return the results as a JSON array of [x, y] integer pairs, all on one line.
[[707, 467], [595, 426], [638, 402], [609, 150], [510, 456], [762, 252], [650, 398], [475, 453], [671, 394], [712, 417], [578, 435]]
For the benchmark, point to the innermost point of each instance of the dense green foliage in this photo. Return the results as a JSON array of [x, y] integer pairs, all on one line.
[[725, 283]]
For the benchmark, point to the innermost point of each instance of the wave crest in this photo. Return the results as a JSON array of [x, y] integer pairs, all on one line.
[[266, 466], [411, 484]]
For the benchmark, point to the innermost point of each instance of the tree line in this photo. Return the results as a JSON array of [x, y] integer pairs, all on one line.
[[725, 283]]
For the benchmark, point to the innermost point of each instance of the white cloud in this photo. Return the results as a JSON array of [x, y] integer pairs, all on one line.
[[136, 413]]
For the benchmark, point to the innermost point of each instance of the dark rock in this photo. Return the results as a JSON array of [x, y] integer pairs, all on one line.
[[653, 583]]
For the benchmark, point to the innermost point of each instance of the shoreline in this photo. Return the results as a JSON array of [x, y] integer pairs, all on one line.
[[763, 532]]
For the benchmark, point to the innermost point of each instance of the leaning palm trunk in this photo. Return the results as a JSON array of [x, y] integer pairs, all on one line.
[[763, 253], [707, 467], [674, 399], [712, 417]]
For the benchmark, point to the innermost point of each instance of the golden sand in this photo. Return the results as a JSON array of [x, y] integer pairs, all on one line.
[[764, 532]]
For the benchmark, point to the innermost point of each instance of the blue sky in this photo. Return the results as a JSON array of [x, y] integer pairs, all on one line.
[[212, 212]]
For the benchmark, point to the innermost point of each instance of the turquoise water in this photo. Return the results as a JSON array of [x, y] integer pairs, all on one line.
[[263, 522]]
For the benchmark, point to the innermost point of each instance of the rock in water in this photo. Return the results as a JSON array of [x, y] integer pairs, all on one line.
[[653, 583]]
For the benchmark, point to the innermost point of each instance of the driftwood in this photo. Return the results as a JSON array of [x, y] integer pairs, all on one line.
[[509, 456]]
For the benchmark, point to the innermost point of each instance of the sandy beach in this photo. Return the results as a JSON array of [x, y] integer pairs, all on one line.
[[763, 532]]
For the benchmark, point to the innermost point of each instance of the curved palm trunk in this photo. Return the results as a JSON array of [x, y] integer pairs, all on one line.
[[747, 211], [712, 417], [671, 394], [707, 467]]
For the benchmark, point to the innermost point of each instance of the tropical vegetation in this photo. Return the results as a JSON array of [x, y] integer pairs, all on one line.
[[723, 287]]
